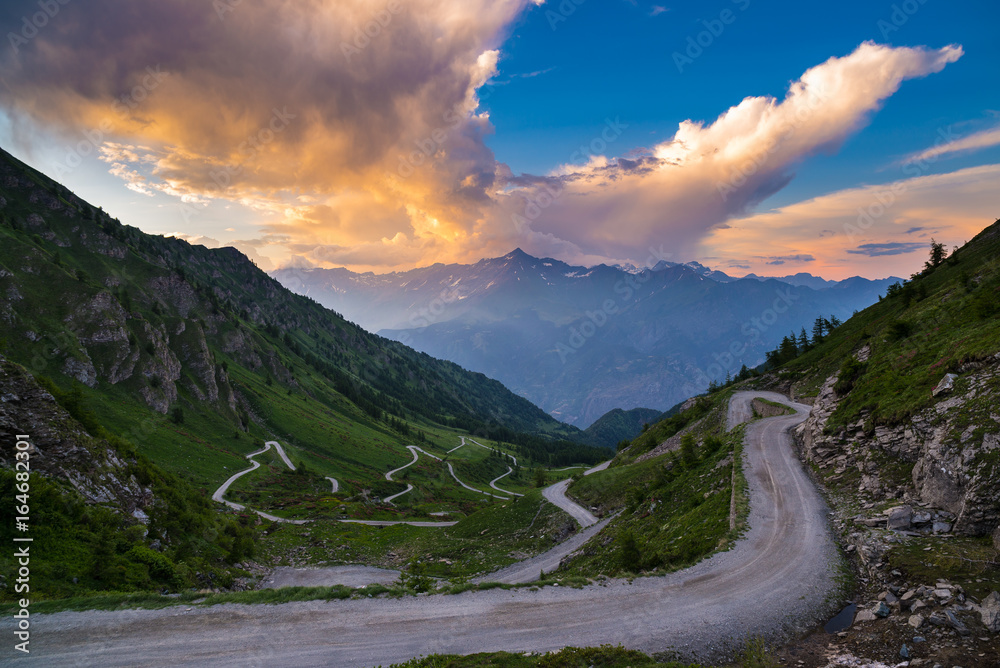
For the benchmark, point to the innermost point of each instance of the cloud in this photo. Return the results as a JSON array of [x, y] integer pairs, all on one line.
[[892, 248], [845, 230], [708, 173], [371, 149], [656, 10], [263, 101], [974, 142], [782, 259]]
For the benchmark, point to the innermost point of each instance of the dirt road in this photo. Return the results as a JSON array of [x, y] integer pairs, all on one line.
[[776, 578]]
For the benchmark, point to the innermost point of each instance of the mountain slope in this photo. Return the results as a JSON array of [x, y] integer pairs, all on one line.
[[177, 361], [620, 425], [906, 391], [581, 341]]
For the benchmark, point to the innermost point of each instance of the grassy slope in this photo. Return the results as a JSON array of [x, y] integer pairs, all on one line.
[[674, 511], [942, 320]]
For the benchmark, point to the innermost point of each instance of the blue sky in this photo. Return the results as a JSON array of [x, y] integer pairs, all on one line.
[[615, 59], [450, 132]]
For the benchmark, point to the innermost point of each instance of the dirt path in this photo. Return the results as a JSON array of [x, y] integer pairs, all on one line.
[[774, 581]]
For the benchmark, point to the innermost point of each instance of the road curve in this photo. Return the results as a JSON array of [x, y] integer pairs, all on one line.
[[556, 495], [775, 579], [493, 483], [546, 562], [334, 484], [219, 494]]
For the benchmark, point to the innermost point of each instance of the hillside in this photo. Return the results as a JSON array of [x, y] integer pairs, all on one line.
[[176, 361], [580, 341], [620, 425]]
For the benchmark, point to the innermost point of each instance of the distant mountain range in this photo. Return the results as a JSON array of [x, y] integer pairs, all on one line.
[[580, 341]]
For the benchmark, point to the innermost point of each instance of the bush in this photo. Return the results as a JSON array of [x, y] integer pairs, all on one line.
[[689, 451], [850, 371], [899, 330]]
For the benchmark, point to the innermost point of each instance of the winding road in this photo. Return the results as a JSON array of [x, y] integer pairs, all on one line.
[[775, 579], [556, 494], [220, 493]]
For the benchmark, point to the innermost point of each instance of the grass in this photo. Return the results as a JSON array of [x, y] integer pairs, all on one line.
[[939, 322], [675, 513]]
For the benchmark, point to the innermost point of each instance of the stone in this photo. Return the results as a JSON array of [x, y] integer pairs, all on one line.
[[890, 598], [921, 518], [917, 605], [941, 527], [942, 593], [989, 611], [916, 621], [956, 623], [900, 517], [946, 384], [864, 616], [881, 609], [996, 538], [904, 651], [908, 595]]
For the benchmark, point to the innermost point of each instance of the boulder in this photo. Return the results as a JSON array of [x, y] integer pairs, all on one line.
[[989, 611], [900, 518], [941, 527], [946, 384]]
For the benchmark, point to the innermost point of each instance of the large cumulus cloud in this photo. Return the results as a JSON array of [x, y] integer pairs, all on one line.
[[369, 149]]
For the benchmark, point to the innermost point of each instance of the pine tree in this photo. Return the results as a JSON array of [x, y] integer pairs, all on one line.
[[803, 341]]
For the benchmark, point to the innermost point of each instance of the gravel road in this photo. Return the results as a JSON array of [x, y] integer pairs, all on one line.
[[776, 579], [556, 495]]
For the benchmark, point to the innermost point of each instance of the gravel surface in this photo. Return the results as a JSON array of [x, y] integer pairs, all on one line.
[[556, 495], [775, 580], [349, 576]]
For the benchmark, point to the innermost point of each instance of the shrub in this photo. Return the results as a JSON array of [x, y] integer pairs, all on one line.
[[899, 330], [850, 371]]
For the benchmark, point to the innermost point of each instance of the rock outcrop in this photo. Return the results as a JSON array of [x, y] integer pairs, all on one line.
[[61, 449], [936, 460]]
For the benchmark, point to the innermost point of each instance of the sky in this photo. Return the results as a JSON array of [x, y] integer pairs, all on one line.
[[752, 136]]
